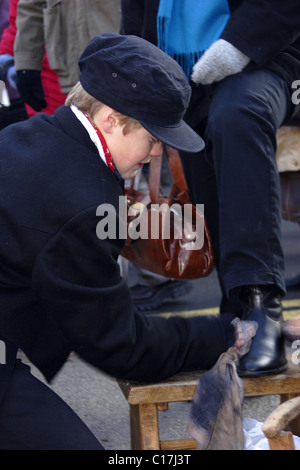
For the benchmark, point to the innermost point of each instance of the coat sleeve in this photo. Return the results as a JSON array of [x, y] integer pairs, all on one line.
[[77, 283], [29, 41], [262, 29]]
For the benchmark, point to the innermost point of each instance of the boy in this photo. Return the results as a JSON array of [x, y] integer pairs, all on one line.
[[61, 289]]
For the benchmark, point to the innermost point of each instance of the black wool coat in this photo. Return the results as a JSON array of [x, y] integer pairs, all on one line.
[[60, 285]]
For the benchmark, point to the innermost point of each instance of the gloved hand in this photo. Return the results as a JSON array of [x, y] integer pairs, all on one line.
[[30, 87], [219, 61], [244, 331], [6, 61]]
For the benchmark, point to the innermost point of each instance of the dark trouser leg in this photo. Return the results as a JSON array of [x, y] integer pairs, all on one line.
[[33, 417], [245, 112], [243, 149]]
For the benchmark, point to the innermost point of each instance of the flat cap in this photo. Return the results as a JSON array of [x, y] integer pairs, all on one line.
[[136, 78]]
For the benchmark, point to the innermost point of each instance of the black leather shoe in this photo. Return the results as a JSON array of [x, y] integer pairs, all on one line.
[[151, 297], [267, 353]]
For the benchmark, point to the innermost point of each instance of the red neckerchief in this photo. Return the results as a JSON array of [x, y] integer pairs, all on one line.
[[106, 151]]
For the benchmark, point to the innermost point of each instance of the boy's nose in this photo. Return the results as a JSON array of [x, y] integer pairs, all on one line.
[[156, 149]]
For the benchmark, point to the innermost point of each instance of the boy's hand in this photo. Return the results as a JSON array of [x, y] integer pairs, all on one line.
[[219, 61], [244, 332]]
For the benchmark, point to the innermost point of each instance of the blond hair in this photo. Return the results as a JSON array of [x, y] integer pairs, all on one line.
[[89, 105]]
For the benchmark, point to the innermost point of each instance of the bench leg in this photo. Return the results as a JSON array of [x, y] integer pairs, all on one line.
[[294, 426], [144, 427], [282, 442]]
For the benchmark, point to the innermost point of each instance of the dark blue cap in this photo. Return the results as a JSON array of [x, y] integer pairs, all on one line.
[[136, 78]]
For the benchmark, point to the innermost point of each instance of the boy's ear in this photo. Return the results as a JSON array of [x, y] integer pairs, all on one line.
[[108, 119]]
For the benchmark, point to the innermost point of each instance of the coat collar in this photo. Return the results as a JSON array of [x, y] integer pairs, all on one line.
[[73, 127]]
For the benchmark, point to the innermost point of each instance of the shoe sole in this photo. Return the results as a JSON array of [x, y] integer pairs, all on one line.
[[167, 293], [250, 373]]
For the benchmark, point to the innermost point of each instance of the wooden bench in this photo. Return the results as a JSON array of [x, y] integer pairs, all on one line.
[[276, 426], [145, 400]]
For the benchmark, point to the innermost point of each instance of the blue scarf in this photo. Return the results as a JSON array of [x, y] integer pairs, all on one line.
[[186, 28]]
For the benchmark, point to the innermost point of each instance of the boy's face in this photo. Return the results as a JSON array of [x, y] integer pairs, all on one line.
[[129, 152]]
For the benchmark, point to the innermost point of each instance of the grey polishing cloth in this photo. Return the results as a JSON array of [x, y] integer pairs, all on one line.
[[216, 412]]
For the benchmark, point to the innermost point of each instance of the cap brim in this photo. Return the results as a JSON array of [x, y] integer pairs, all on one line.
[[181, 137]]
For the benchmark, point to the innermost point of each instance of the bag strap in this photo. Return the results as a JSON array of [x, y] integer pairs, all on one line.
[[155, 166], [175, 166]]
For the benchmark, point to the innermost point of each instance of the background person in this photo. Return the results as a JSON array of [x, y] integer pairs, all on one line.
[[64, 29]]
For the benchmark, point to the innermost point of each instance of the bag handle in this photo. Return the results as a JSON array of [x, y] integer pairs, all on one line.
[[175, 166], [155, 166]]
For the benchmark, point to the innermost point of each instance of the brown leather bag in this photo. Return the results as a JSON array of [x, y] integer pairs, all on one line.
[[173, 237]]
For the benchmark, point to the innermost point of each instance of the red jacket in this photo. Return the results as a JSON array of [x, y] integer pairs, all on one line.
[[53, 94]]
